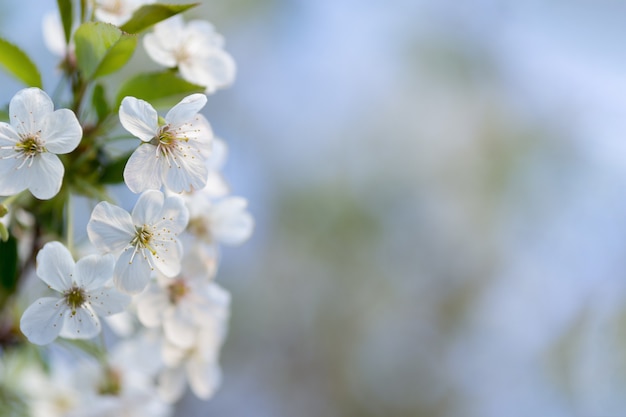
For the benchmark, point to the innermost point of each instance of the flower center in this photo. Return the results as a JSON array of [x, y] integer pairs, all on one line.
[[29, 146], [166, 142], [177, 291], [27, 149], [181, 55], [166, 136], [75, 297], [111, 383], [142, 238]]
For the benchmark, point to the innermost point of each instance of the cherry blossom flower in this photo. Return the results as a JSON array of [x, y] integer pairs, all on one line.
[[225, 221], [216, 186], [117, 12], [84, 296], [175, 148], [144, 240], [28, 146], [197, 365], [195, 49], [54, 36], [184, 304]]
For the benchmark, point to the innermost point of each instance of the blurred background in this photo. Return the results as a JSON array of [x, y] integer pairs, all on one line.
[[439, 190]]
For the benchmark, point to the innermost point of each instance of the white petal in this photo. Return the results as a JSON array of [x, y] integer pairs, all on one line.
[[231, 224], [148, 208], [167, 258], [202, 36], [12, 180], [28, 108], [82, 325], [45, 175], [53, 35], [108, 301], [143, 169], [217, 70], [93, 271], [171, 384], [190, 171], [42, 321], [199, 130], [132, 273], [8, 137], [151, 304], [170, 33], [174, 216], [204, 378], [179, 328], [172, 355], [216, 186], [55, 266], [139, 118], [219, 153], [110, 228], [61, 132], [185, 110], [156, 50]]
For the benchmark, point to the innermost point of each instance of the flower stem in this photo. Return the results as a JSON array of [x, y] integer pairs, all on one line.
[[69, 220]]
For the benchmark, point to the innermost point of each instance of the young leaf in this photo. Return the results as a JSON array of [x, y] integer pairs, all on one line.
[[18, 64], [149, 14], [102, 48], [157, 86], [65, 9]]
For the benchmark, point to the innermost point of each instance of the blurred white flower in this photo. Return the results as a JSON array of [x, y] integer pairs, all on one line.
[[195, 49], [54, 35], [175, 148], [197, 365], [226, 221], [84, 296], [125, 385], [146, 239], [28, 145], [183, 305], [216, 185], [117, 12]]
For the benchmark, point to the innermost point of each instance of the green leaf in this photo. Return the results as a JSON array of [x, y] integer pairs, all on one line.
[[99, 101], [18, 64], [65, 9], [4, 233], [149, 14], [113, 171], [157, 88], [102, 48], [8, 266]]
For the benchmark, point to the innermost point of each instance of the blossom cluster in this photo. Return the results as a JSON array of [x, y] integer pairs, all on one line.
[[124, 319]]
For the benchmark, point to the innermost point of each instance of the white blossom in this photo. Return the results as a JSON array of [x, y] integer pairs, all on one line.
[[120, 387], [195, 49], [144, 240], [83, 296], [182, 305], [196, 365], [225, 221], [54, 35], [29, 144], [175, 148], [117, 12]]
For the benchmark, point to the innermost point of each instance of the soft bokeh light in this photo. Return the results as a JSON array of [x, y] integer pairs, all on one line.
[[440, 199]]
